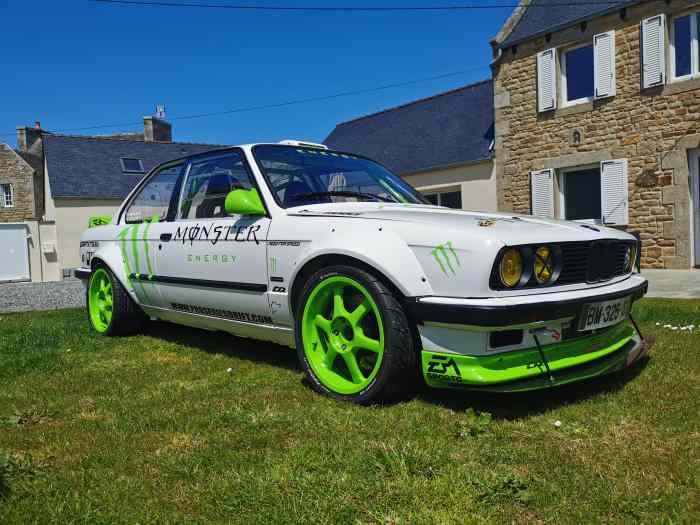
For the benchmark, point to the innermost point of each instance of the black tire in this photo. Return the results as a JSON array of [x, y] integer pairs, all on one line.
[[127, 316], [398, 375]]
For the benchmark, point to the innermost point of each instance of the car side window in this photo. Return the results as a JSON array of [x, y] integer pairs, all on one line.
[[157, 196], [209, 181]]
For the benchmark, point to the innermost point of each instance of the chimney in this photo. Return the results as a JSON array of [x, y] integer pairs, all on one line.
[[157, 130], [29, 139], [30, 144]]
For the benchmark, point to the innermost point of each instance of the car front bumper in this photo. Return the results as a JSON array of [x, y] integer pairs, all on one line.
[[523, 370], [500, 312], [455, 338]]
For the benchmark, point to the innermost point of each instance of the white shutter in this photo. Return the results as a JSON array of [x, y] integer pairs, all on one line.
[[547, 80], [614, 199], [653, 46], [604, 60], [542, 188]]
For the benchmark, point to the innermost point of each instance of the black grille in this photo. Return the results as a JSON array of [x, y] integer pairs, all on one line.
[[592, 261]]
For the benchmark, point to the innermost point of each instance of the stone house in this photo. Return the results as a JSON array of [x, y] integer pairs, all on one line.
[[597, 117], [52, 184], [441, 145]]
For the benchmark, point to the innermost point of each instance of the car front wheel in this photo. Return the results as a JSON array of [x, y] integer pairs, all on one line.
[[353, 338]]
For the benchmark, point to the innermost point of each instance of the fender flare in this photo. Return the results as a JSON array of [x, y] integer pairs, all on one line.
[[389, 256]]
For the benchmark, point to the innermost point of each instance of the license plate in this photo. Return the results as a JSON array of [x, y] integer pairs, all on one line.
[[600, 315]]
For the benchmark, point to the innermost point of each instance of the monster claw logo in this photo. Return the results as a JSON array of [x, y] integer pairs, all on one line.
[[446, 258], [273, 264]]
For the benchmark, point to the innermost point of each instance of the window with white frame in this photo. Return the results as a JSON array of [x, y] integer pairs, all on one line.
[[449, 199], [577, 75], [579, 194], [7, 198], [685, 52], [580, 74], [598, 192]]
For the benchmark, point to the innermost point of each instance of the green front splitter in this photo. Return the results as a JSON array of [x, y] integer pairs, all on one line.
[[523, 370]]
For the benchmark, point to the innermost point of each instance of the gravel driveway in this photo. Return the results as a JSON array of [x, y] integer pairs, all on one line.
[[22, 297]]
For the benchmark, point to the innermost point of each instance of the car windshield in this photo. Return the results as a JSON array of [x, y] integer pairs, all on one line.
[[300, 176]]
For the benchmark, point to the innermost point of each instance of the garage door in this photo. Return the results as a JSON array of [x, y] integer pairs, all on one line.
[[14, 257]]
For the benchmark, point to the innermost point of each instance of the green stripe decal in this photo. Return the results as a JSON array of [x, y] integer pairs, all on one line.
[[125, 256], [153, 219]]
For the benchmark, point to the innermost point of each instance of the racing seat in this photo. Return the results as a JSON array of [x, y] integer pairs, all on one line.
[[215, 197]]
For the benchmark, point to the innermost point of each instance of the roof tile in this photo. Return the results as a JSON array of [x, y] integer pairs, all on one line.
[[447, 129], [89, 167]]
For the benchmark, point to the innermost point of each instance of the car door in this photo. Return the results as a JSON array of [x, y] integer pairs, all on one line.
[[209, 263], [150, 213]]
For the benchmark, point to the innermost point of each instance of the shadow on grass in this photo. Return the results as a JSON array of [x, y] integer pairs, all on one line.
[[226, 344], [512, 406], [501, 406]]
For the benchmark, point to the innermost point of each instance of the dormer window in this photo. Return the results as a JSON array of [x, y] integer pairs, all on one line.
[[131, 165]]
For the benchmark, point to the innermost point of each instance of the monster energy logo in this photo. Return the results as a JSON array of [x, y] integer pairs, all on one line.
[[445, 255], [273, 264], [130, 233]]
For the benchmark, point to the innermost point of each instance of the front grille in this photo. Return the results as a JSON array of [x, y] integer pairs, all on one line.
[[592, 261]]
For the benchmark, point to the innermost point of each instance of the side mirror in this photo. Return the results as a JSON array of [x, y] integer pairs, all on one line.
[[244, 202]]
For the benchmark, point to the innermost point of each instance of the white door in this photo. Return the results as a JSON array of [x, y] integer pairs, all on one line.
[[695, 195], [210, 263], [14, 256]]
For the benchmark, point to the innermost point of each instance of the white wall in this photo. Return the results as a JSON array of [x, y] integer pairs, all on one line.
[[72, 220], [476, 181]]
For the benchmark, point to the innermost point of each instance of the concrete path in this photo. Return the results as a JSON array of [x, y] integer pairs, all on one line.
[[673, 284], [22, 297]]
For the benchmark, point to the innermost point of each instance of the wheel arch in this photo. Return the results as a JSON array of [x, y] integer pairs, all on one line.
[[330, 259], [117, 272]]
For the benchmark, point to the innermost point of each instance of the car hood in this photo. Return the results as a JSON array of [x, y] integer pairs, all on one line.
[[508, 228]]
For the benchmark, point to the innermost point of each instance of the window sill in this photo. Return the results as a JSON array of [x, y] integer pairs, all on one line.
[[574, 109], [681, 85]]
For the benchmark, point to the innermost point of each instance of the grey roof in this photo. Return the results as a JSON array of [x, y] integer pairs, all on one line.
[[540, 20], [89, 167], [447, 129]]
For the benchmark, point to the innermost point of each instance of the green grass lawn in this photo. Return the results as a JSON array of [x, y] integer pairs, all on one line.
[[153, 428]]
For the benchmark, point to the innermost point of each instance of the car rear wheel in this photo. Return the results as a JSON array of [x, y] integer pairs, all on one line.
[[353, 338], [111, 311]]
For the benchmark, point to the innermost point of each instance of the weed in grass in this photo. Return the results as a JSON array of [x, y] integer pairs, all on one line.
[[473, 423], [507, 487], [31, 416]]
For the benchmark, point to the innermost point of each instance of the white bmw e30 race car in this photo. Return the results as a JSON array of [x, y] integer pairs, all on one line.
[[330, 253]]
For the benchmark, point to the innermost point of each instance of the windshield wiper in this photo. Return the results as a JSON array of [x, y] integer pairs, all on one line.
[[343, 194]]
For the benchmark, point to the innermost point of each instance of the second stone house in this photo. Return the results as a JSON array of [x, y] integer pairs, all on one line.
[[597, 118]]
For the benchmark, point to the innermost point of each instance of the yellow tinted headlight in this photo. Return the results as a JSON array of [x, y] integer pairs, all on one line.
[[544, 265], [511, 267]]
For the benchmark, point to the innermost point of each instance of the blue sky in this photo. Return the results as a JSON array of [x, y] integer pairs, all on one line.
[[72, 63]]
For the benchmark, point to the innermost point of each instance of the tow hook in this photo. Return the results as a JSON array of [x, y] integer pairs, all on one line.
[[536, 334]]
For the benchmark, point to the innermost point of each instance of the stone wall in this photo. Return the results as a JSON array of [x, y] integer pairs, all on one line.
[[16, 171], [652, 128]]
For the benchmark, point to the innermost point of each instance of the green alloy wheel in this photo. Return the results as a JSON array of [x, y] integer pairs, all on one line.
[[110, 309], [100, 300], [353, 338]]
